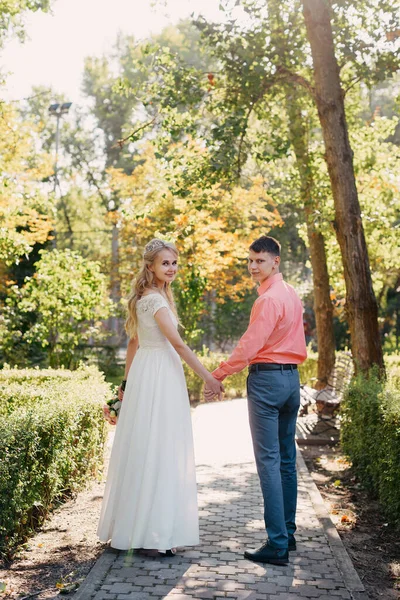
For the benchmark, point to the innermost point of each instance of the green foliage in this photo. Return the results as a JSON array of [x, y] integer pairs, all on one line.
[[67, 297], [308, 370], [53, 435], [12, 15], [229, 320], [25, 211], [189, 296], [371, 437]]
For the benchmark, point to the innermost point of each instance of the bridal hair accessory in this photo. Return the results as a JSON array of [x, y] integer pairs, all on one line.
[[153, 245]]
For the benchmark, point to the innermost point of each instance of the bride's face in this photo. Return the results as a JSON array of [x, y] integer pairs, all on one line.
[[164, 267]]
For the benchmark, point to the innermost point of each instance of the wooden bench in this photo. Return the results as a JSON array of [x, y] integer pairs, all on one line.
[[328, 399]]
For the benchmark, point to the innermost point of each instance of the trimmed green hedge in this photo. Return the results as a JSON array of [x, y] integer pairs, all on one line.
[[52, 441], [370, 434], [235, 385]]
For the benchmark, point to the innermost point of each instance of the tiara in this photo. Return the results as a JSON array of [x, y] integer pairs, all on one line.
[[153, 245]]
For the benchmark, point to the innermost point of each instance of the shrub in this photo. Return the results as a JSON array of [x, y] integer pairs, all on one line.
[[370, 436], [309, 368], [52, 442]]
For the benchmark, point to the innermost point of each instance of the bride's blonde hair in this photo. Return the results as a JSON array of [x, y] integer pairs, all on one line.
[[145, 280]]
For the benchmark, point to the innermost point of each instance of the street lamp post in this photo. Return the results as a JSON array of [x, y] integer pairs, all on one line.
[[57, 110]]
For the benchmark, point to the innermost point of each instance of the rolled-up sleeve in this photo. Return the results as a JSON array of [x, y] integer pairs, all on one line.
[[263, 319]]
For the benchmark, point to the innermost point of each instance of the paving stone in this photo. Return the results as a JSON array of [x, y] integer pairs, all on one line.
[[104, 596], [269, 588], [230, 586], [121, 588], [204, 593], [134, 596], [305, 590], [245, 595]]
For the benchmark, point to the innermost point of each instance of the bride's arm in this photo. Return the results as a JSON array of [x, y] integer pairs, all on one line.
[[168, 328], [130, 355]]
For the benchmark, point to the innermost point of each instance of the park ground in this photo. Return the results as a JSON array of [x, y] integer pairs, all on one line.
[[62, 553]]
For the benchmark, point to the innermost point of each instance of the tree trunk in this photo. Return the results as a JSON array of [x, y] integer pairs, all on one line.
[[322, 299], [361, 305]]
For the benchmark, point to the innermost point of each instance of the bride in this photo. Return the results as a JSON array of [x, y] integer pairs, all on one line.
[[150, 499]]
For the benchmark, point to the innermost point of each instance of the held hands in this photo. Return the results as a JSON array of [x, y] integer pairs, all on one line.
[[213, 388]]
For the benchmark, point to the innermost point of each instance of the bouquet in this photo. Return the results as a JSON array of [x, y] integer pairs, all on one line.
[[113, 406], [111, 410]]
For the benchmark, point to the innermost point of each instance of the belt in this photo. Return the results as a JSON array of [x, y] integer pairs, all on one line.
[[270, 367]]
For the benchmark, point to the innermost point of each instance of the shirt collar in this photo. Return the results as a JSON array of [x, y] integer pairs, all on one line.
[[268, 282]]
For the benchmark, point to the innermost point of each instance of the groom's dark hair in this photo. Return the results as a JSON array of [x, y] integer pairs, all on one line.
[[266, 244]]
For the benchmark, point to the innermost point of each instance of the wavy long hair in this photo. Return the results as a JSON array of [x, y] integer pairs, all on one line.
[[145, 280]]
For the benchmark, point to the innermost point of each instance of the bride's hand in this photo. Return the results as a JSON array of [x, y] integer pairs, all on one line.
[[213, 388], [121, 390]]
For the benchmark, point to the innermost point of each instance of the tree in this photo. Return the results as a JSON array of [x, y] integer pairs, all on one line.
[[240, 118], [68, 298], [12, 12], [25, 212], [255, 66], [212, 238], [322, 295], [362, 309], [119, 83]]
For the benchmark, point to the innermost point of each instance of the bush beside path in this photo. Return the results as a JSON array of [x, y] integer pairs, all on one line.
[[52, 444]]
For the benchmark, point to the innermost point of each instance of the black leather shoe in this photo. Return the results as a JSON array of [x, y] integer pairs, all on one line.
[[292, 543], [268, 554]]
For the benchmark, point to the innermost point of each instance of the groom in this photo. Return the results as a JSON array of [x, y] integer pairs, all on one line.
[[272, 347]]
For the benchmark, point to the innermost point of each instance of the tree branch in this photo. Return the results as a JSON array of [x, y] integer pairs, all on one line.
[[267, 85], [241, 141], [296, 78], [121, 143], [82, 158], [352, 84]]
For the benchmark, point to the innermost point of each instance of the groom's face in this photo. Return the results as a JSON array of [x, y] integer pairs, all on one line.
[[262, 265]]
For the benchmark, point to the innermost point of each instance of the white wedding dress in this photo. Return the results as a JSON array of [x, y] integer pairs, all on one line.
[[150, 498]]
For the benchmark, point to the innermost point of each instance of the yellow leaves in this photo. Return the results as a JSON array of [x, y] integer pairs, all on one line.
[[345, 519]]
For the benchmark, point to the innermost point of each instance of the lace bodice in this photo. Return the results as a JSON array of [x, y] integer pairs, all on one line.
[[149, 333]]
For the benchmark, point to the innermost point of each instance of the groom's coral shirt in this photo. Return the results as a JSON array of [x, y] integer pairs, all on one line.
[[275, 333]]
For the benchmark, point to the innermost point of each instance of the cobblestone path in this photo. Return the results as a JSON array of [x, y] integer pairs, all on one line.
[[230, 508]]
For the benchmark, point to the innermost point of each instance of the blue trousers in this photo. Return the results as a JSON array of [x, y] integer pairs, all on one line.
[[273, 402]]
